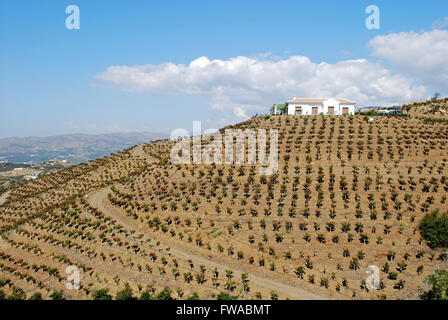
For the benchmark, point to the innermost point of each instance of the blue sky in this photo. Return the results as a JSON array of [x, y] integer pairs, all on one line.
[[57, 81]]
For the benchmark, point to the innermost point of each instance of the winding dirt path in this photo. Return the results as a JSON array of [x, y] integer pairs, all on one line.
[[98, 200], [4, 196]]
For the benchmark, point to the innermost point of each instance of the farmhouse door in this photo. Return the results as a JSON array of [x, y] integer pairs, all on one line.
[[345, 110], [330, 110], [314, 110]]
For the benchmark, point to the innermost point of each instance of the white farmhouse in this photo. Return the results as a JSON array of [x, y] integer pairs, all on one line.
[[315, 106]]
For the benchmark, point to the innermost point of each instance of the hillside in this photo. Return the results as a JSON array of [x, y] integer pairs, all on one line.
[[13, 173], [435, 108], [349, 193], [74, 147]]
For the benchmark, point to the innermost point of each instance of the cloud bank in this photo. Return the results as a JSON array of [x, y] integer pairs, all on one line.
[[422, 56], [245, 85]]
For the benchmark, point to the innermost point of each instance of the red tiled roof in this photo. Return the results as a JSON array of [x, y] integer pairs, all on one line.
[[318, 100], [307, 100]]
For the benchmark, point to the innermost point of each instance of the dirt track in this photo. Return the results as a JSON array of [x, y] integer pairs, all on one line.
[[98, 200], [4, 196]]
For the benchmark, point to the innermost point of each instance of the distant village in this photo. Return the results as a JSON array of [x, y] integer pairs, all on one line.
[[12, 173]]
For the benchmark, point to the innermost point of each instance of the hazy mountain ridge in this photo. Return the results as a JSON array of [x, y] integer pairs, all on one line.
[[73, 147]]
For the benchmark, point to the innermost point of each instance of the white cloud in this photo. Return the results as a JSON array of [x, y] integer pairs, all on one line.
[[245, 85], [423, 56], [440, 24]]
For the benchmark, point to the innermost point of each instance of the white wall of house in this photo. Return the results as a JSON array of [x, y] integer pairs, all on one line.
[[307, 108], [323, 107], [351, 108]]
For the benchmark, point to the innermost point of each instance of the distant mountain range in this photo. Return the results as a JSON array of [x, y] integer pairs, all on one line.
[[74, 148]]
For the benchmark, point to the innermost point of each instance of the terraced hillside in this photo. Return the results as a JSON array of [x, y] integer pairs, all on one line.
[[435, 108], [349, 193]]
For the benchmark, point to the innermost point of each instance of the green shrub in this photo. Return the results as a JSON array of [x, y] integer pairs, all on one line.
[[392, 275], [17, 294], [57, 295], [438, 283], [194, 296], [145, 295], [36, 296], [434, 229], [226, 296], [165, 294], [4, 282], [125, 294], [102, 294]]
